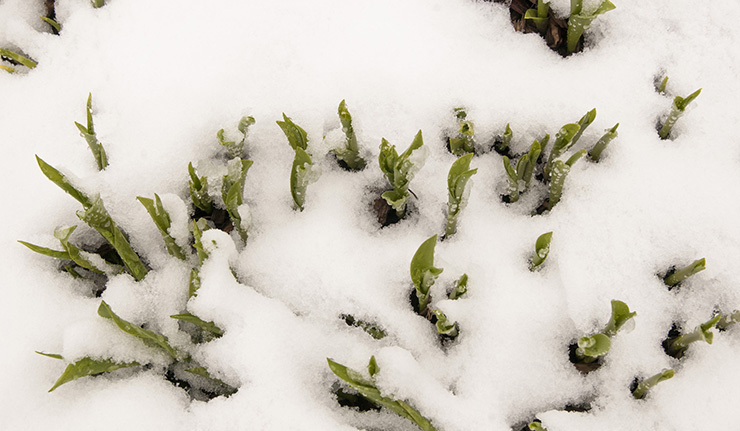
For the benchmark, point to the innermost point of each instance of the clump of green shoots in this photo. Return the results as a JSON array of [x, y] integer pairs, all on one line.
[[463, 143], [541, 250], [300, 173], [162, 220], [675, 277], [642, 387], [503, 144], [424, 273], [15, 58], [88, 132], [349, 155], [539, 15], [676, 346], [399, 170], [55, 26], [520, 177], [579, 21], [677, 109], [367, 388], [601, 144], [460, 287], [457, 191], [590, 349], [566, 137], [234, 149]]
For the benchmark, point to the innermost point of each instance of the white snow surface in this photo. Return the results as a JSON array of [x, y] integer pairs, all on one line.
[[166, 75]]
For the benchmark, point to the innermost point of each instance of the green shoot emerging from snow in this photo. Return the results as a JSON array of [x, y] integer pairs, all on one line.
[[457, 191], [297, 137], [350, 154], [503, 144], [233, 193], [541, 250], [677, 109], [87, 367], [423, 272], [580, 21], [399, 170], [460, 287], [644, 386], [92, 140], [674, 277], [521, 176], [209, 329], [162, 220], [98, 3], [463, 143], [560, 171], [539, 15], [600, 146], [444, 327], [676, 347], [621, 314], [300, 173], [234, 149], [199, 191], [563, 142], [56, 27], [591, 348], [367, 388], [583, 123], [18, 58]]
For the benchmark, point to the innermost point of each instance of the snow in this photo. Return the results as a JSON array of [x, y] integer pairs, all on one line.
[[166, 76]]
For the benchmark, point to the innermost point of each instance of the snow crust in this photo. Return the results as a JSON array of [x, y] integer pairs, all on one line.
[[166, 76]]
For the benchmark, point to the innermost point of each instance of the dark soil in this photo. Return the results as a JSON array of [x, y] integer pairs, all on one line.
[[385, 213]]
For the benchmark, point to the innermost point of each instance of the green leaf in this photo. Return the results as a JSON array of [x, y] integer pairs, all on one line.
[[55, 25], [560, 171], [457, 190], [460, 287], [350, 153], [18, 58], [591, 348], [677, 110], [367, 389], [583, 123], [97, 217], [233, 197], [299, 177], [209, 327], [399, 170], [578, 22], [161, 219], [444, 327], [193, 283], [621, 314], [575, 157], [539, 15], [47, 251], [541, 250], [225, 388], [98, 3], [647, 384], [89, 367], [91, 138], [60, 180], [595, 153], [297, 137], [513, 178], [198, 228], [563, 142], [150, 338], [50, 355], [423, 272], [199, 191], [672, 279], [78, 256]]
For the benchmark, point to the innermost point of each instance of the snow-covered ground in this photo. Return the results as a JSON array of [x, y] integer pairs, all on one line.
[[167, 75]]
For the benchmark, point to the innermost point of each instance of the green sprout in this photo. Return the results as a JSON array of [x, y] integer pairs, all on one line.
[[300, 174], [660, 88], [674, 277], [536, 425], [161, 219], [520, 176], [54, 24], [600, 146], [460, 288], [368, 389], [580, 21], [193, 283], [559, 173], [423, 272], [92, 140], [457, 191], [399, 170], [583, 123], [374, 330], [18, 58], [645, 385], [563, 142], [677, 109], [502, 146], [444, 327], [233, 193], [199, 191], [677, 346], [198, 228], [98, 3], [209, 329], [86, 367], [621, 314], [234, 149], [591, 348], [539, 15], [463, 143], [541, 250], [349, 154]]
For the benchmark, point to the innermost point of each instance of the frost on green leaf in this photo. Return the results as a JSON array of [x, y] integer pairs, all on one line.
[[563, 142], [560, 171], [460, 288], [199, 191], [675, 277], [503, 145], [150, 338], [399, 170], [367, 388], [350, 153], [57, 254], [61, 180], [621, 314], [423, 272], [56, 27], [536, 426], [463, 143], [677, 110], [210, 330], [457, 190], [600, 146], [98, 3], [97, 217], [198, 228], [579, 21], [583, 123], [300, 177], [297, 137], [193, 283], [88, 367], [234, 149], [541, 250], [88, 132], [161, 219], [644, 386], [18, 58]]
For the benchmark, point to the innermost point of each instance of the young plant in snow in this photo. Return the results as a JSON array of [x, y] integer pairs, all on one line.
[[98, 3], [234, 149], [591, 348], [349, 155], [521, 176], [55, 26], [541, 250], [676, 346], [644, 386], [661, 87], [232, 192], [399, 170], [463, 143], [86, 367], [566, 137], [88, 132], [300, 173], [444, 327], [16, 59], [674, 277], [457, 191], [503, 145], [579, 21], [559, 172], [460, 288], [423, 273], [161, 219], [677, 110], [199, 191], [600, 146], [368, 389], [539, 15]]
